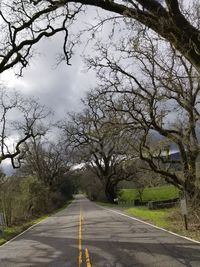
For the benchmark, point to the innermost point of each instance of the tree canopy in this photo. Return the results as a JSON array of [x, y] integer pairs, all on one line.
[[25, 23], [100, 142]]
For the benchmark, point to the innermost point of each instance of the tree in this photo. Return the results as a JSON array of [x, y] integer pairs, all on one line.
[[48, 166], [95, 137], [161, 98], [29, 116], [25, 23], [46, 161], [90, 184], [2, 178]]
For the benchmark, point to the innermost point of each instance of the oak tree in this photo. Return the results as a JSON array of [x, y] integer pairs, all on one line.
[[96, 137], [159, 98], [25, 23], [21, 119]]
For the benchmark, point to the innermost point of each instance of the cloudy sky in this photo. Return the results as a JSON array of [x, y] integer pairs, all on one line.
[[59, 88]]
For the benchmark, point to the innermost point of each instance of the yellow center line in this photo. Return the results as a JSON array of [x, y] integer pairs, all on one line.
[[87, 256], [80, 260], [80, 256]]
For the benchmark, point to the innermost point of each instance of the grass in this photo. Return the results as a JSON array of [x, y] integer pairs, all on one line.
[[169, 219], [150, 194], [157, 217], [10, 232]]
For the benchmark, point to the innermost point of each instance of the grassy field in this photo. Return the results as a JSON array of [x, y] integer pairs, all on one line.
[[10, 232], [150, 194]]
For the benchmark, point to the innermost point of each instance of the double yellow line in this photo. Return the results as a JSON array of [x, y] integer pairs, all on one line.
[[80, 256], [87, 256]]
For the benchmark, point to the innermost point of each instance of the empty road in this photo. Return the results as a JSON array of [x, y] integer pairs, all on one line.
[[86, 235]]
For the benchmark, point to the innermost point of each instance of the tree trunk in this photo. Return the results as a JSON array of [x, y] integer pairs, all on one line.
[[110, 192], [192, 193]]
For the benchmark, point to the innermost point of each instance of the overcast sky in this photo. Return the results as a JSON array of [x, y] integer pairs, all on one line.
[[59, 88]]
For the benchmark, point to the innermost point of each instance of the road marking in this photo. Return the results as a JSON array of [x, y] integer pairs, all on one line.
[[157, 227], [80, 257], [87, 256]]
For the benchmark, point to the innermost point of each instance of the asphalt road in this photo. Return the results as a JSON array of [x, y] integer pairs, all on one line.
[[85, 235]]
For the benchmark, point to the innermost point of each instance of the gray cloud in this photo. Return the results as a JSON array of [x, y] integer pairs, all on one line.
[[59, 88]]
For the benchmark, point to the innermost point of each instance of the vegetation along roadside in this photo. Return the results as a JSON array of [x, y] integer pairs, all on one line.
[[168, 218], [12, 231]]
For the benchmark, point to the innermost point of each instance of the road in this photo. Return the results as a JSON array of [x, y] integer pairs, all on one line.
[[86, 235]]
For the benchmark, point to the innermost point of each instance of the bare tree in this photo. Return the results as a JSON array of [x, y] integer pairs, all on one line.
[[99, 142], [159, 97], [2, 178], [25, 23], [45, 160], [29, 116]]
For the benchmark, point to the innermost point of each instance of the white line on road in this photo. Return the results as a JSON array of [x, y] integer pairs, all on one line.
[[157, 227]]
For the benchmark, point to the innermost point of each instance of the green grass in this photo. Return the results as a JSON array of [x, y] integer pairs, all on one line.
[[10, 232], [160, 217], [170, 219], [157, 217], [150, 194]]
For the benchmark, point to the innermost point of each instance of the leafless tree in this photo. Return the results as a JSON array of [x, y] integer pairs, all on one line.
[[160, 96], [28, 117], [2, 178], [96, 137], [45, 160], [25, 23]]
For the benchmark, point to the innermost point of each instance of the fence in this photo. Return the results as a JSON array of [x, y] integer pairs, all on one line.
[[162, 204], [158, 204]]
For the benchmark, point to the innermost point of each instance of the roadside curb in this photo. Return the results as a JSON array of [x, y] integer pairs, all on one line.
[[152, 225]]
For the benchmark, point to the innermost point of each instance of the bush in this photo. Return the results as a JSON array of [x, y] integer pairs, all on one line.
[[22, 198]]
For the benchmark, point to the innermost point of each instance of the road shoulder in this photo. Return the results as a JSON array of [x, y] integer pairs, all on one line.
[[124, 212]]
